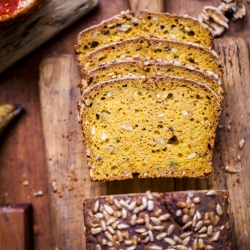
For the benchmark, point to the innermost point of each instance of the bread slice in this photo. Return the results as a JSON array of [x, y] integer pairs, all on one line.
[[148, 24], [175, 220], [153, 127], [146, 49], [17, 12], [152, 68]]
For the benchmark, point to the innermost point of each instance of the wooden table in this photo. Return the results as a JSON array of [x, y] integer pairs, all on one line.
[[22, 147]]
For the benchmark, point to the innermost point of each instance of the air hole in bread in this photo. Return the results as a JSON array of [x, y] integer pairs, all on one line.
[[173, 140], [94, 44]]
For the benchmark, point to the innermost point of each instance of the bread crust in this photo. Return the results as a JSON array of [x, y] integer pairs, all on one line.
[[215, 85], [152, 80], [20, 15]]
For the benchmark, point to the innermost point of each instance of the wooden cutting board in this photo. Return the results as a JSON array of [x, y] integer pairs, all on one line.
[[66, 161], [16, 41]]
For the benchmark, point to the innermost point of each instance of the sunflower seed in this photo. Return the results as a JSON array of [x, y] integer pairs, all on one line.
[[194, 221], [191, 194], [219, 209], [185, 235], [222, 227], [198, 225], [188, 202], [150, 206], [193, 154], [141, 230], [146, 240], [185, 218], [131, 248], [155, 220], [192, 209], [110, 221], [158, 228], [181, 247], [122, 226], [216, 236], [146, 218], [202, 230], [216, 219], [177, 239], [161, 236], [210, 230], [111, 230], [95, 207], [158, 212], [178, 213], [149, 195], [195, 245], [123, 203], [170, 229], [211, 192], [155, 247], [144, 201], [241, 143], [170, 241], [201, 243], [137, 210], [110, 244], [197, 200], [181, 204], [124, 213], [144, 235], [119, 234], [203, 235], [207, 222], [132, 206], [103, 225], [128, 242], [133, 220], [104, 242], [140, 221], [151, 236], [198, 215], [164, 217], [187, 225], [115, 224], [98, 247], [186, 241], [109, 209], [98, 215], [95, 231], [117, 204]]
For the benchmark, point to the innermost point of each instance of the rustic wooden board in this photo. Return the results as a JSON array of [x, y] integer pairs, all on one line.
[[59, 76], [234, 126], [16, 227], [66, 161], [16, 41]]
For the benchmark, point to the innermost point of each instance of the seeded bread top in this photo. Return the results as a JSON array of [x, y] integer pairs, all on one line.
[[146, 49], [157, 221], [148, 24]]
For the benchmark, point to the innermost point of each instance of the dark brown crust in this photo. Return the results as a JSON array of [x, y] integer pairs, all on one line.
[[148, 42], [169, 204], [140, 64], [22, 15], [191, 19], [153, 80]]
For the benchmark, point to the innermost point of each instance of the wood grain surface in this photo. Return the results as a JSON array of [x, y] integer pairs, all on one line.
[[65, 156], [18, 40], [22, 146], [16, 227]]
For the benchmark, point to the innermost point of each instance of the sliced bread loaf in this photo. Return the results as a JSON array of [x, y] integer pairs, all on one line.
[[146, 49], [125, 26], [153, 126], [134, 68]]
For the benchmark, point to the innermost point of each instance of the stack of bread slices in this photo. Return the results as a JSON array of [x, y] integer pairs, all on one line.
[[151, 96]]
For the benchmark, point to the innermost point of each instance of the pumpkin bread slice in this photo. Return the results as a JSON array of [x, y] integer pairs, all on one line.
[[148, 24], [146, 49], [153, 127]]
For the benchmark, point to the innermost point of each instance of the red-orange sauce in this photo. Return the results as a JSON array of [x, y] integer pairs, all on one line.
[[7, 7]]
